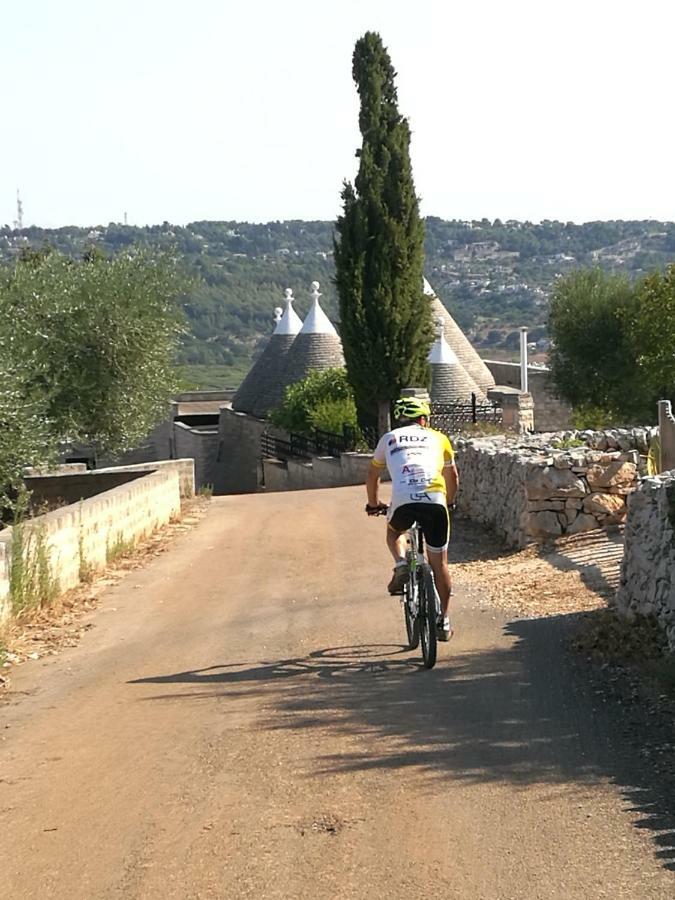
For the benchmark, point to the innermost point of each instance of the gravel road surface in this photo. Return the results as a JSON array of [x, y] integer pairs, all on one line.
[[243, 720]]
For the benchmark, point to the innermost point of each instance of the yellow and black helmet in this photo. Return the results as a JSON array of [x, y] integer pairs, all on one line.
[[411, 408]]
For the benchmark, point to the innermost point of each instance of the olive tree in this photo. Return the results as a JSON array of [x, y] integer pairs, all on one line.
[[87, 353]]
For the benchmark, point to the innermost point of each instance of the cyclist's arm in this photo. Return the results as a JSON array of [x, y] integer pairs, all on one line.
[[373, 484], [450, 472], [377, 466], [451, 481]]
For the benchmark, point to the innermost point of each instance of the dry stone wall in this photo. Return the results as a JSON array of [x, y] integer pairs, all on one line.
[[536, 490], [647, 586]]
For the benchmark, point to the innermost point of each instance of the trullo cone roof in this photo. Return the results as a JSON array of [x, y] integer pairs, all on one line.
[[316, 347], [470, 360], [450, 382], [258, 390]]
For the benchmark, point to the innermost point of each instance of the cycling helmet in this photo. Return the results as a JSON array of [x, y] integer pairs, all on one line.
[[411, 408]]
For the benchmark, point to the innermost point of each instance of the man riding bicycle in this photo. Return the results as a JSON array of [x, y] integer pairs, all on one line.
[[424, 484]]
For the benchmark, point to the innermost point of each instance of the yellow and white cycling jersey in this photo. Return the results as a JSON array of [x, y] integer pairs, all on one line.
[[415, 457]]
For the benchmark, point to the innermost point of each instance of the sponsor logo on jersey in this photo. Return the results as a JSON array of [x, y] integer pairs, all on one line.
[[414, 438]]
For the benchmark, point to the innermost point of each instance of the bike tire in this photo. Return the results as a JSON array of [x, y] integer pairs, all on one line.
[[428, 618], [412, 623]]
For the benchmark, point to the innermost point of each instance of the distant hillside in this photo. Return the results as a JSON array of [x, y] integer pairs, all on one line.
[[493, 276]]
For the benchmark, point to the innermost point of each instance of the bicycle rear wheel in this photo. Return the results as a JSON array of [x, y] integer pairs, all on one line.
[[428, 618]]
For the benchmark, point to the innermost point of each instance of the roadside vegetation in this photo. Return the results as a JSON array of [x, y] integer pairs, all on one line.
[[86, 355], [612, 356], [323, 400]]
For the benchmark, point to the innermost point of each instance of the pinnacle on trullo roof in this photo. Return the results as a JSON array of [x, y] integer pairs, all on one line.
[[471, 362], [318, 346], [290, 322], [258, 390], [450, 382]]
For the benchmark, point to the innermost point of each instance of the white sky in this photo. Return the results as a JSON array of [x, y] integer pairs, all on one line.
[[182, 110]]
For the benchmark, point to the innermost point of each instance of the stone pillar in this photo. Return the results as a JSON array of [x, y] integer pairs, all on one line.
[[667, 436], [517, 408], [420, 392], [525, 413]]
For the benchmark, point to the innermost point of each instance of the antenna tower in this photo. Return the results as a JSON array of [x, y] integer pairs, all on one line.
[[18, 222]]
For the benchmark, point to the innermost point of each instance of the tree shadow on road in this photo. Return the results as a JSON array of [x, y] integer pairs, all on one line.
[[524, 712]]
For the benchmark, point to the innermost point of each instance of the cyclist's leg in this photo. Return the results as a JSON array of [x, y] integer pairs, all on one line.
[[396, 544], [435, 524], [438, 560], [399, 522]]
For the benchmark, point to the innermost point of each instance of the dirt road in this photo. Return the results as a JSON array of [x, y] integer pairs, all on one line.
[[243, 721]]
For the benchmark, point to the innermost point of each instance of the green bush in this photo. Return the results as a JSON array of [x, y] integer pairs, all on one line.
[[333, 415], [323, 399]]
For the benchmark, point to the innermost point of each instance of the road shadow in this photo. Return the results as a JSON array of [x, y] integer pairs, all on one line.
[[525, 712]]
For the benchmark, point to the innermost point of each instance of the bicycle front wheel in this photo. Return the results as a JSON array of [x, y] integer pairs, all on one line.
[[428, 618]]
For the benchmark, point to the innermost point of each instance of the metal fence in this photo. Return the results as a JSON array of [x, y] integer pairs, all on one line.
[[447, 417], [453, 417], [319, 443]]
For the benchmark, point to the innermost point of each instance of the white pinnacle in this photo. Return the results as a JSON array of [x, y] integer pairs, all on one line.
[[317, 322], [428, 290], [290, 322], [441, 352]]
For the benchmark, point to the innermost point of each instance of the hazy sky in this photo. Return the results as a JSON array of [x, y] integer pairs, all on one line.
[[215, 109]]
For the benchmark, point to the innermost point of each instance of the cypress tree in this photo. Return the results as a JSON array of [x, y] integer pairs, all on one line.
[[386, 325]]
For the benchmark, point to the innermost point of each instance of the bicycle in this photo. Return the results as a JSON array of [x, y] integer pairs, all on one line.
[[420, 600], [421, 604]]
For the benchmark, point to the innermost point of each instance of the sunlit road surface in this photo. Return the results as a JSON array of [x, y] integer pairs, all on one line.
[[243, 720]]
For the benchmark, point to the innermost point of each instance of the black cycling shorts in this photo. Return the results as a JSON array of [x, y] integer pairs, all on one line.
[[433, 519]]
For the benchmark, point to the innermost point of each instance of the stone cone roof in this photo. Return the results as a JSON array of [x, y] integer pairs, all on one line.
[[257, 392], [317, 347], [450, 382], [470, 360]]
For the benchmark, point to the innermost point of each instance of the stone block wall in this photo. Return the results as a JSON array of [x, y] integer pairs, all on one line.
[[647, 586], [319, 472], [550, 413], [185, 469], [237, 467], [84, 534], [532, 491], [200, 444]]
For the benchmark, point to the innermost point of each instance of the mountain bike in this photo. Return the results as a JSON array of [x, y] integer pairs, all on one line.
[[421, 604], [420, 600]]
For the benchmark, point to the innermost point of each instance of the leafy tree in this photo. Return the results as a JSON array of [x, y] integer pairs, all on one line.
[[87, 353], [593, 359], [653, 330], [386, 326], [324, 400], [24, 436]]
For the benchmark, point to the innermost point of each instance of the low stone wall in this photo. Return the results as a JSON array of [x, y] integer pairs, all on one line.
[[60, 489], [534, 492], [83, 536], [320, 472], [185, 468], [647, 585], [70, 483]]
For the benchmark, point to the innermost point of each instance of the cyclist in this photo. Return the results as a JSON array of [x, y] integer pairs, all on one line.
[[424, 484]]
